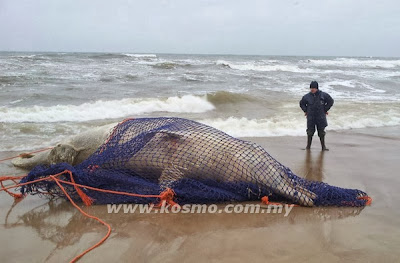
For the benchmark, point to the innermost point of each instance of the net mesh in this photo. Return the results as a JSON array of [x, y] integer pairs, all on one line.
[[200, 163]]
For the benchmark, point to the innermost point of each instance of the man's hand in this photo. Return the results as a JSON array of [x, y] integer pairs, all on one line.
[[326, 113], [305, 113]]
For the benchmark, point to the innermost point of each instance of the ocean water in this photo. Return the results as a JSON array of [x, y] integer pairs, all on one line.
[[48, 96]]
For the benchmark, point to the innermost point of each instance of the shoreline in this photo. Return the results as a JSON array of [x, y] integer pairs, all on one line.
[[366, 159]]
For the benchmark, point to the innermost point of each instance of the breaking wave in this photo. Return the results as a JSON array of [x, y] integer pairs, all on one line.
[[262, 66], [140, 55], [357, 62], [295, 125], [105, 109]]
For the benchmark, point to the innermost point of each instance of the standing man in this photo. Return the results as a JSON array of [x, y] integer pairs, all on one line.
[[316, 105]]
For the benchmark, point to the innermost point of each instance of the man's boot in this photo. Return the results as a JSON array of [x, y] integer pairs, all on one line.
[[322, 138], [309, 140]]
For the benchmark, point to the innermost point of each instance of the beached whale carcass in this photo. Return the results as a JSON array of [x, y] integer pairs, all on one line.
[[174, 148]]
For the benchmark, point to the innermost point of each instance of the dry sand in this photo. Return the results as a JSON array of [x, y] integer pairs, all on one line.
[[36, 230]]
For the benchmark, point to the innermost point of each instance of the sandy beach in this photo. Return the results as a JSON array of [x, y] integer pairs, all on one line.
[[184, 80], [36, 230]]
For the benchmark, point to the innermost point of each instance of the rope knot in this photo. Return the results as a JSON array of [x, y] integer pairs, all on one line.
[[367, 199], [167, 196], [265, 200]]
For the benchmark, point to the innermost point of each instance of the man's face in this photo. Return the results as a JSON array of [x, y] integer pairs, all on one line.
[[313, 90]]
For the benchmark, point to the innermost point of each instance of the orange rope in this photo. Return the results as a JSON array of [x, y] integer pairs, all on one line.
[[86, 199], [11, 178], [87, 215], [27, 183], [367, 198], [110, 191], [15, 195], [22, 154], [115, 129], [265, 200], [167, 196]]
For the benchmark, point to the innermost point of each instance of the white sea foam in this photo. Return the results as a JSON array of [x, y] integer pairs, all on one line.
[[105, 109], [141, 55], [50, 133], [354, 62], [15, 101], [23, 136], [262, 66], [25, 56], [244, 127], [296, 125], [344, 90], [366, 88]]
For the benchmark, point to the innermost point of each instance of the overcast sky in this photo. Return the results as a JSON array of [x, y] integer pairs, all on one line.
[[264, 27]]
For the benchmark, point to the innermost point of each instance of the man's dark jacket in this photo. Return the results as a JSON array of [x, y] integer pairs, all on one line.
[[316, 105]]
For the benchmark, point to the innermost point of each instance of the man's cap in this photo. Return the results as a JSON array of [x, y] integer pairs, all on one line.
[[314, 85]]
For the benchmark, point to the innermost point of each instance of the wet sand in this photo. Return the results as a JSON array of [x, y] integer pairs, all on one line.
[[36, 230]]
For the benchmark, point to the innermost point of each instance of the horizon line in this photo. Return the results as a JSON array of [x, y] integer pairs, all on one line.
[[198, 54]]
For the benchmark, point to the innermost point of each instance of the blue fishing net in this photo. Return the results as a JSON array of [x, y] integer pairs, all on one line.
[[200, 163]]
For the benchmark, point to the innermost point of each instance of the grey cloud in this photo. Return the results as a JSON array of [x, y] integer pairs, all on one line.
[[330, 27]]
